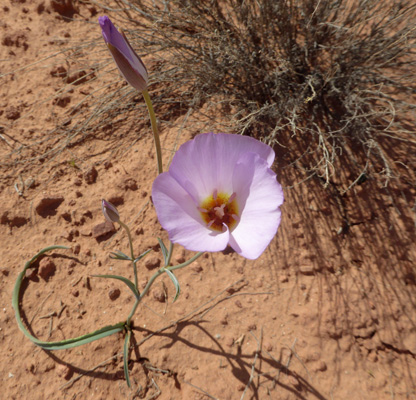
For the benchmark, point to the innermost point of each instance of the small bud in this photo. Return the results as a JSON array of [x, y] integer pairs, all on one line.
[[128, 62], [110, 212]]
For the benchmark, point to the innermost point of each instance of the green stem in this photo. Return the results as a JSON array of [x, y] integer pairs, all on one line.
[[155, 276], [155, 130], [126, 228], [169, 254]]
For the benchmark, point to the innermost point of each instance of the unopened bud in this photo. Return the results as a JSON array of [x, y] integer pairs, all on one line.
[[128, 62], [110, 212]]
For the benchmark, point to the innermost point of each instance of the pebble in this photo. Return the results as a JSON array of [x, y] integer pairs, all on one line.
[[152, 262], [47, 205], [158, 295], [103, 229], [307, 270], [197, 268], [114, 294], [321, 366], [64, 371], [46, 268], [90, 176], [77, 249]]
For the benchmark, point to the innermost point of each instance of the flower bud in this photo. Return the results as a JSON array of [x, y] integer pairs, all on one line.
[[128, 62], [110, 212]]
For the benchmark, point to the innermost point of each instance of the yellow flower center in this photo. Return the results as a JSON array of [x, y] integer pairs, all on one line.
[[218, 210]]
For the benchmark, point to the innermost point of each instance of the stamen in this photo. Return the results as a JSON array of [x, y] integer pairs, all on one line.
[[236, 217], [200, 209], [210, 223], [215, 194], [232, 197]]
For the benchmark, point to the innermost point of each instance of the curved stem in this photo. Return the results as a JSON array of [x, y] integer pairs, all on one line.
[[155, 130], [126, 228], [154, 277]]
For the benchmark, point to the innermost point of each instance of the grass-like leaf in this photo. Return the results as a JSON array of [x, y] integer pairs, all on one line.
[[126, 357], [64, 344], [175, 283], [164, 251]]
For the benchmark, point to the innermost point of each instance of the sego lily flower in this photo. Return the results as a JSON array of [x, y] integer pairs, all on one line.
[[128, 62], [110, 212], [220, 191]]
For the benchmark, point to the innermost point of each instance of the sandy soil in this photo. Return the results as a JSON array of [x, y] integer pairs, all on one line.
[[327, 312]]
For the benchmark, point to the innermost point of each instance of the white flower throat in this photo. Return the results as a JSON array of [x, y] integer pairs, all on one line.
[[220, 210]]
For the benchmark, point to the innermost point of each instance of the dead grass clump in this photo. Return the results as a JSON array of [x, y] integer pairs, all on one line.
[[321, 78]]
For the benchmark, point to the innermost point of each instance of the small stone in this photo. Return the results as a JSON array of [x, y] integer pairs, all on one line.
[[159, 295], [240, 270], [268, 347], [5, 271], [238, 304], [130, 184], [90, 176], [103, 229], [58, 72], [143, 283], [66, 8], [284, 279], [197, 268], [12, 113], [47, 205], [108, 164], [46, 268], [77, 249], [180, 258], [64, 371], [114, 294], [321, 366], [152, 262], [252, 327], [75, 292], [30, 273], [307, 270], [116, 200], [302, 286]]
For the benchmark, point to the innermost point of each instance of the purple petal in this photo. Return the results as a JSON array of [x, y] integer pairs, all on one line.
[[260, 217], [113, 36], [110, 212], [208, 161], [179, 216], [128, 62]]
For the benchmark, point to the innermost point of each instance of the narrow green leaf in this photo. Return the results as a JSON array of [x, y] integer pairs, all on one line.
[[175, 283], [128, 282], [164, 251], [64, 344], [119, 255], [142, 255], [126, 357]]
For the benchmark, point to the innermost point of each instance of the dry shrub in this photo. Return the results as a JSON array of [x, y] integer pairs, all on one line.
[[329, 83], [322, 79]]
